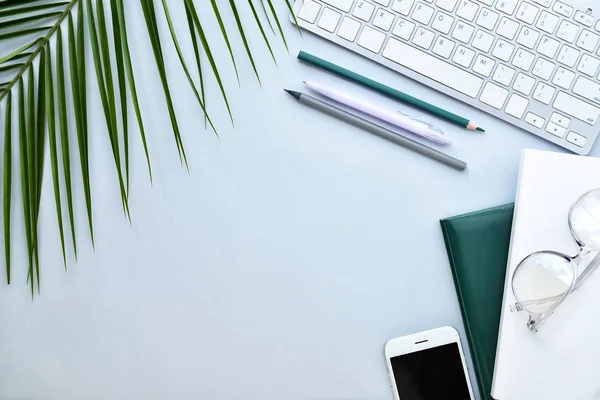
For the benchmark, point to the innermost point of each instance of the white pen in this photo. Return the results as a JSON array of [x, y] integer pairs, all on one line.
[[408, 123]]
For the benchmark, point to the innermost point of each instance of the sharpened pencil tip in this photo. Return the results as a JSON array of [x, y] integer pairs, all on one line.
[[292, 93], [480, 129]]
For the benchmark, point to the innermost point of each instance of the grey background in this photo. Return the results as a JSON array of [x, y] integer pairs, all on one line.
[[276, 269]]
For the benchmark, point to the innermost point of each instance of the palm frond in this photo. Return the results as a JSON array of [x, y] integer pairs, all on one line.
[[42, 109]]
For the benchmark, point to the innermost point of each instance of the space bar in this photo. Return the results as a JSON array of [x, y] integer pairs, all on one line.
[[433, 68]]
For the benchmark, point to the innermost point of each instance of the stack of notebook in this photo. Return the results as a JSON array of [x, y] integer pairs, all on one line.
[[561, 361]]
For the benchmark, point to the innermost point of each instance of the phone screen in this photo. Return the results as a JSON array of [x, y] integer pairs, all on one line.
[[431, 374]]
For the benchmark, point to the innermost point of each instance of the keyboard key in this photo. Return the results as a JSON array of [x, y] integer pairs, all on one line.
[[543, 69], [528, 37], [343, 5], [516, 106], [403, 29], [371, 39], [597, 27], [568, 56], [588, 40], [544, 3], [483, 65], [535, 120], [543, 93], [487, 19], [329, 20], [463, 56], [503, 74], [567, 31], [576, 139], [576, 108], [587, 89], [443, 47], [563, 78], [507, 28], [349, 29], [423, 38], [588, 65], [503, 50], [523, 59], [560, 120], [432, 67], [527, 13], [547, 22], [422, 13], [402, 6], [548, 46], [487, 2], [383, 2], [563, 9], [462, 32], [467, 9], [583, 18], [363, 10], [447, 5], [483, 41], [383, 19], [507, 6], [524, 84], [555, 130], [442, 22], [309, 11], [493, 95]]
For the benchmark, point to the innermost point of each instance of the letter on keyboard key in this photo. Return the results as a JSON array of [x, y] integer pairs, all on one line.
[[403, 28], [443, 47], [343, 5], [577, 108], [503, 50], [422, 13], [528, 37], [523, 59], [494, 95], [371, 39], [507, 28], [548, 46], [423, 38], [467, 9], [483, 41], [363, 10], [442, 22], [433, 68]]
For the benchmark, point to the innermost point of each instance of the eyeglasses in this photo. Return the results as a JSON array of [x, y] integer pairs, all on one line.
[[544, 279]]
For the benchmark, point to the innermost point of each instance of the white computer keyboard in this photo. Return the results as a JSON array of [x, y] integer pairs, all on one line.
[[533, 63]]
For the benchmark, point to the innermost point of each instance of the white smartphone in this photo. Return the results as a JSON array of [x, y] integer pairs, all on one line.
[[428, 365]]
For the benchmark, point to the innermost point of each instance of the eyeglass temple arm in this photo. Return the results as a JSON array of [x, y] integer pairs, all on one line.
[[525, 305]]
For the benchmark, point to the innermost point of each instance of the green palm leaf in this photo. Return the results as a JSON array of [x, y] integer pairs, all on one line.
[[28, 27], [7, 184]]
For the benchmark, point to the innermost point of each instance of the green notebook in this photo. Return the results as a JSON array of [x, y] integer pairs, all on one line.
[[477, 245]]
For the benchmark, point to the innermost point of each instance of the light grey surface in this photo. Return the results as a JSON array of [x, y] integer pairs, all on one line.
[[276, 269]]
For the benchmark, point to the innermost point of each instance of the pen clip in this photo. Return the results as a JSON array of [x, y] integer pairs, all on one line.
[[420, 119]]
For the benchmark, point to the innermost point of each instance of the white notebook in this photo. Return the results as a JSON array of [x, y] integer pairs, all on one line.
[[561, 361]]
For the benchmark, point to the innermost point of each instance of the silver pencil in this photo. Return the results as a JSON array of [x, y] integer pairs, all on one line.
[[378, 130]]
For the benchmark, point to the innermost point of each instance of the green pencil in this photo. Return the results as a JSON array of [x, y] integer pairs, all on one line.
[[388, 91]]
